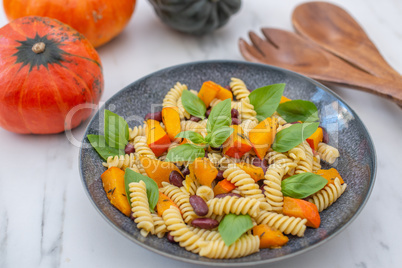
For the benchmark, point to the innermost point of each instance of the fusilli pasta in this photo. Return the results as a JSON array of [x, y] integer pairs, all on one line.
[[140, 207], [285, 224], [239, 88], [327, 196], [235, 205], [173, 95], [327, 153]]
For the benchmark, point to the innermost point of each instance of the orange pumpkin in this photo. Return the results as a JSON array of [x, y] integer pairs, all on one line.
[[98, 20], [46, 69]]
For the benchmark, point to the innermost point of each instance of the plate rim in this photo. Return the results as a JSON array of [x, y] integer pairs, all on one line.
[[237, 264]]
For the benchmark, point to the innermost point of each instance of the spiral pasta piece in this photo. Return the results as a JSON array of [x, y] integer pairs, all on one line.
[[180, 231], [247, 244], [316, 163], [246, 110], [120, 161], [285, 224], [307, 164], [327, 153], [239, 88], [140, 207], [173, 95], [281, 121], [214, 102], [233, 204], [189, 125], [244, 183], [280, 159], [248, 125], [134, 168], [205, 234], [182, 111], [142, 149], [327, 196], [181, 199], [159, 226], [225, 161], [272, 186], [215, 158], [190, 186], [298, 153], [137, 131], [205, 192]]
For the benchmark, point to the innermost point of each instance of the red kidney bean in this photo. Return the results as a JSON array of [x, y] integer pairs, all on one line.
[[262, 188], [261, 163], [195, 118], [217, 148], [325, 137], [219, 176], [234, 113], [227, 194], [129, 148], [199, 205], [207, 113], [206, 154], [185, 172], [155, 116], [236, 121], [228, 87], [176, 179], [205, 223], [170, 238]]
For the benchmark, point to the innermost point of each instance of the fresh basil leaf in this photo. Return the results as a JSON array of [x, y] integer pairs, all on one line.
[[152, 188], [298, 110], [185, 152], [99, 144], [266, 99], [219, 136], [220, 116], [292, 136], [192, 136], [116, 130], [193, 104], [303, 185], [233, 226]]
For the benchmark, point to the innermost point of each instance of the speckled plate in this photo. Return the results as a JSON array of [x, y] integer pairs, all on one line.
[[357, 163]]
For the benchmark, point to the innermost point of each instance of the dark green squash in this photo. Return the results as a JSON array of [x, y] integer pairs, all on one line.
[[195, 16]]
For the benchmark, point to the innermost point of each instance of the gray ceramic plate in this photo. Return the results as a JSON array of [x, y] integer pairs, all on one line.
[[357, 163]]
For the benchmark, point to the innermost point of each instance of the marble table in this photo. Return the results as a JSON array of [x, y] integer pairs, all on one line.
[[46, 219]]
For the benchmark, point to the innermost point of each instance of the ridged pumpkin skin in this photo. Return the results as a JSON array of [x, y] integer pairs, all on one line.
[[98, 20], [195, 16], [37, 90]]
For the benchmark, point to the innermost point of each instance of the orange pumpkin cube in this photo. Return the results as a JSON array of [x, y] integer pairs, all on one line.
[[237, 144], [158, 170], [315, 139], [223, 187], [329, 175], [269, 238], [257, 173], [171, 120], [204, 171], [262, 136], [157, 139], [284, 99], [113, 184], [224, 94], [293, 207], [208, 92], [164, 203]]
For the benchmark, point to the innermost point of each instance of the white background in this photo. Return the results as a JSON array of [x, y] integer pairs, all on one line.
[[46, 219]]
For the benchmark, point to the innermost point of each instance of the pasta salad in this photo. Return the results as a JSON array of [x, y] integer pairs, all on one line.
[[223, 171]]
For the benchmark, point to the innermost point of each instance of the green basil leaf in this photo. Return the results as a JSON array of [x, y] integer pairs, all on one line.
[[185, 152], [292, 136], [192, 136], [233, 226], [219, 136], [298, 110], [99, 144], [266, 99], [303, 185], [193, 104], [152, 188], [220, 116], [116, 130]]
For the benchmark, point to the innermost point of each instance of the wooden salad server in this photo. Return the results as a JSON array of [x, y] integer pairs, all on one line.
[[290, 51], [335, 30]]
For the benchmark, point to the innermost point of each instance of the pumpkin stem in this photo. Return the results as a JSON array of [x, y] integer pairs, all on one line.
[[39, 47]]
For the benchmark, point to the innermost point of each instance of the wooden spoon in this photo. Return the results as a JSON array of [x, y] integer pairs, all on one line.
[[290, 51], [332, 28]]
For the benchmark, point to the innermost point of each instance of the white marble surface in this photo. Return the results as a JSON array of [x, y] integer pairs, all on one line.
[[46, 219]]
